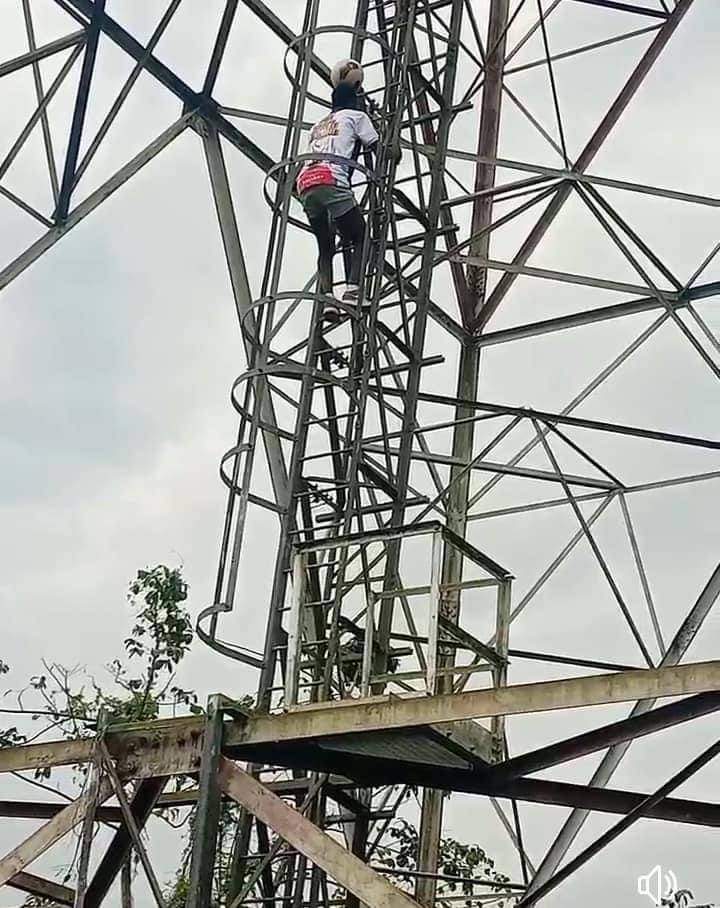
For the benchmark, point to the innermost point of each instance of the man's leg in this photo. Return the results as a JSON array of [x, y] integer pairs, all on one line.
[[351, 227], [320, 224]]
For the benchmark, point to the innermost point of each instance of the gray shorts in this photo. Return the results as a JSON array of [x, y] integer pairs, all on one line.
[[332, 200]]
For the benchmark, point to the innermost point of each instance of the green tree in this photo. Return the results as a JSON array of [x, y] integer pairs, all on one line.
[[140, 685], [461, 865]]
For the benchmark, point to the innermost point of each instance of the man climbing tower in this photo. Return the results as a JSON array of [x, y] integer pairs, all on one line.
[[326, 194]]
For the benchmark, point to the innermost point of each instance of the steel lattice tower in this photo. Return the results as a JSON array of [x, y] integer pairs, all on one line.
[[374, 447]]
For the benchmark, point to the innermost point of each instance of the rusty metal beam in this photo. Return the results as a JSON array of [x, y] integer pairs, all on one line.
[[39, 841], [322, 850], [119, 849], [172, 747], [42, 888], [385, 713]]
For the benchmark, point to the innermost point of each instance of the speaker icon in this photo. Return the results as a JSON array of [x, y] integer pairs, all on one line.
[[657, 885]]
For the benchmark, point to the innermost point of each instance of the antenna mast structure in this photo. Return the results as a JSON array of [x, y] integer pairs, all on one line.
[[373, 446]]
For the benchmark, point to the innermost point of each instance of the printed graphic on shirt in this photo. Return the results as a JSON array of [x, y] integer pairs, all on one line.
[[335, 134], [323, 129]]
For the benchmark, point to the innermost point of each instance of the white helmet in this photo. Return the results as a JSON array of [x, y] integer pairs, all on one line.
[[348, 71]]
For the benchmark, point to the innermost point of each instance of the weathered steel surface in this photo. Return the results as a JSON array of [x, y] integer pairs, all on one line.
[[342, 866], [43, 838]]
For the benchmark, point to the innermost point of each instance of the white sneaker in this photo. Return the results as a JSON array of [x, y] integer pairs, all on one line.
[[331, 314]]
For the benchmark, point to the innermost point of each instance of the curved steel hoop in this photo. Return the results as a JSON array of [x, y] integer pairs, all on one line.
[[294, 46]]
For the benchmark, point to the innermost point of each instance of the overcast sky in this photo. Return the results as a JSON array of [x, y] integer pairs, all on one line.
[[120, 345]]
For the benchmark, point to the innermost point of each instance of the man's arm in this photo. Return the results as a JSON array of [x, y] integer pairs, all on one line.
[[366, 132]]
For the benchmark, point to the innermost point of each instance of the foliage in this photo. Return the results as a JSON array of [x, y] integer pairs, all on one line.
[[176, 897], [34, 901], [70, 702], [143, 680], [162, 635], [683, 898], [463, 865], [9, 737], [680, 899], [176, 894]]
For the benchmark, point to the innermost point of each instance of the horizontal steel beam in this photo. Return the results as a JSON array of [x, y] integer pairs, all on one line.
[[35, 810], [677, 649], [643, 808], [563, 419], [474, 778], [564, 794], [564, 277], [385, 534], [596, 496], [570, 175], [376, 714], [44, 889], [582, 49], [488, 466], [590, 316], [172, 747], [29, 757]]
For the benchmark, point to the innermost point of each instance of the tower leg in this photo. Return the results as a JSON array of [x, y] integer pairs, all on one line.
[[208, 811]]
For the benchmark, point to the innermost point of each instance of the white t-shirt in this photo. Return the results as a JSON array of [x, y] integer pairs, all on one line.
[[337, 134]]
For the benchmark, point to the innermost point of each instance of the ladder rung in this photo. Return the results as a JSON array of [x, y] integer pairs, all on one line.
[[327, 453], [322, 419], [373, 509], [403, 367]]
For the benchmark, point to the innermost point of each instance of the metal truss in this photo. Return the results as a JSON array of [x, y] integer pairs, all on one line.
[[343, 747], [368, 440]]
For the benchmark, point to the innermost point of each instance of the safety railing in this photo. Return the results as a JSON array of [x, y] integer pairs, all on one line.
[[360, 633]]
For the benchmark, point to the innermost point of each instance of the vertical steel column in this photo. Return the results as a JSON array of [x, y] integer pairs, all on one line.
[[462, 450], [467, 385], [487, 147], [431, 818], [433, 659], [241, 846], [294, 650], [368, 643], [502, 642], [288, 522], [207, 816], [86, 836], [422, 302]]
